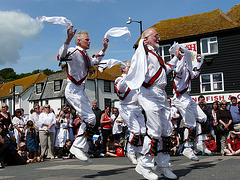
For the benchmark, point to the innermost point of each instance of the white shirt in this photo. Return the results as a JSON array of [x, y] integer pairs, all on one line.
[[77, 67], [122, 87], [153, 66], [47, 118], [182, 73], [117, 127], [34, 117]]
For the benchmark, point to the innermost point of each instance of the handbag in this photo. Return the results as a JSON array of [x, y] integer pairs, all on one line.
[[220, 128]]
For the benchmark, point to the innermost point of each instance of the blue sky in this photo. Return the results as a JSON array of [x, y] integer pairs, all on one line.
[[26, 46]]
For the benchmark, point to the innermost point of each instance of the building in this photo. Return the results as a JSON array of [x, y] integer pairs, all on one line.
[[23, 88], [99, 86], [216, 35]]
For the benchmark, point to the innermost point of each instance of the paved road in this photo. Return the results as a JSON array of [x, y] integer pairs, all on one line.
[[208, 168]]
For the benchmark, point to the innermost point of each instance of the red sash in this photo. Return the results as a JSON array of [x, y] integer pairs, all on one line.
[[160, 60], [88, 63], [184, 90]]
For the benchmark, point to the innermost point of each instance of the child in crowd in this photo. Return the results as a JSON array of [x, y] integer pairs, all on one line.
[[233, 144], [111, 147], [22, 151], [19, 124], [211, 144], [65, 153], [32, 142], [62, 133]]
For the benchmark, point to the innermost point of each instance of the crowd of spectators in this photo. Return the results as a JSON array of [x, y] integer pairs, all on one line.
[[46, 135]]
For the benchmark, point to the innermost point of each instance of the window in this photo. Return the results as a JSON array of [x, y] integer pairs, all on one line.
[[57, 85], [164, 53], [209, 45], [211, 82], [107, 86], [107, 102], [39, 88]]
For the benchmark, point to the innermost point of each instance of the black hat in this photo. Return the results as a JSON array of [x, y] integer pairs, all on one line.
[[233, 97]]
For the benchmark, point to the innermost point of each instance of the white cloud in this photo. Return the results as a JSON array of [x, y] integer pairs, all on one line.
[[14, 28]]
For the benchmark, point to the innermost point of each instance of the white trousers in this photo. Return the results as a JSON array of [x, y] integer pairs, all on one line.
[[154, 101], [133, 117], [77, 97], [191, 113]]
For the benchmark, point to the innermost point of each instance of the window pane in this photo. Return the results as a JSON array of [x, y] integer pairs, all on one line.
[[107, 86], [206, 87], [213, 39], [217, 77], [205, 78], [217, 86], [39, 88], [107, 102], [213, 47], [57, 85], [166, 50], [204, 46]]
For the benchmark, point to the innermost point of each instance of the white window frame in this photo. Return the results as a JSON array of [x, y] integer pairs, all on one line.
[[39, 88], [162, 53], [60, 85], [211, 83], [208, 44]]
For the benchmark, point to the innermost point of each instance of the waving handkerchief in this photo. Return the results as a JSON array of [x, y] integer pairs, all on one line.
[[108, 63], [55, 20], [138, 69], [117, 32]]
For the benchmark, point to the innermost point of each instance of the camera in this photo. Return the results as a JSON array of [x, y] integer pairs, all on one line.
[[61, 121]]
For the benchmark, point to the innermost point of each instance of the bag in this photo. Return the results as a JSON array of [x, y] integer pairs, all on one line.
[[120, 152], [220, 128]]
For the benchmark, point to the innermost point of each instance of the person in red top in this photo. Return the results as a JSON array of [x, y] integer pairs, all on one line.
[[210, 144], [233, 145], [106, 123]]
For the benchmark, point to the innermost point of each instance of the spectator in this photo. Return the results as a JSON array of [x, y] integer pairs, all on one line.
[[41, 109], [174, 114], [47, 121], [211, 144], [98, 114], [70, 126], [175, 142], [235, 112], [8, 153], [215, 133], [233, 144], [96, 148], [34, 117], [5, 117], [117, 125], [111, 147], [201, 99], [62, 133], [65, 153], [224, 118], [106, 122], [32, 142], [25, 118], [22, 151], [19, 124]]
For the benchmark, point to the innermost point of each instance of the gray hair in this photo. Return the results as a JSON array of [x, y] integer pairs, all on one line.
[[80, 35], [147, 32], [122, 66]]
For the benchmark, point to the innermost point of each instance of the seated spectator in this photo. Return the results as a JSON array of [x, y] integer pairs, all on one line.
[[96, 148], [8, 153], [111, 147], [65, 153], [175, 142], [210, 144], [233, 144], [22, 151]]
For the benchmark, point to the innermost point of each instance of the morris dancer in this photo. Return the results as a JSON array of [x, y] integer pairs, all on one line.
[[148, 72], [188, 108], [131, 113], [78, 64]]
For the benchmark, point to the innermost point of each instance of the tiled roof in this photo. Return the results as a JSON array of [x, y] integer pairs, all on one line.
[[197, 24], [7, 88], [234, 13]]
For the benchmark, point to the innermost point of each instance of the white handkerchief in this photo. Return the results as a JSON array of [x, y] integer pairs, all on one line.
[[117, 32], [138, 69], [108, 63], [55, 20]]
